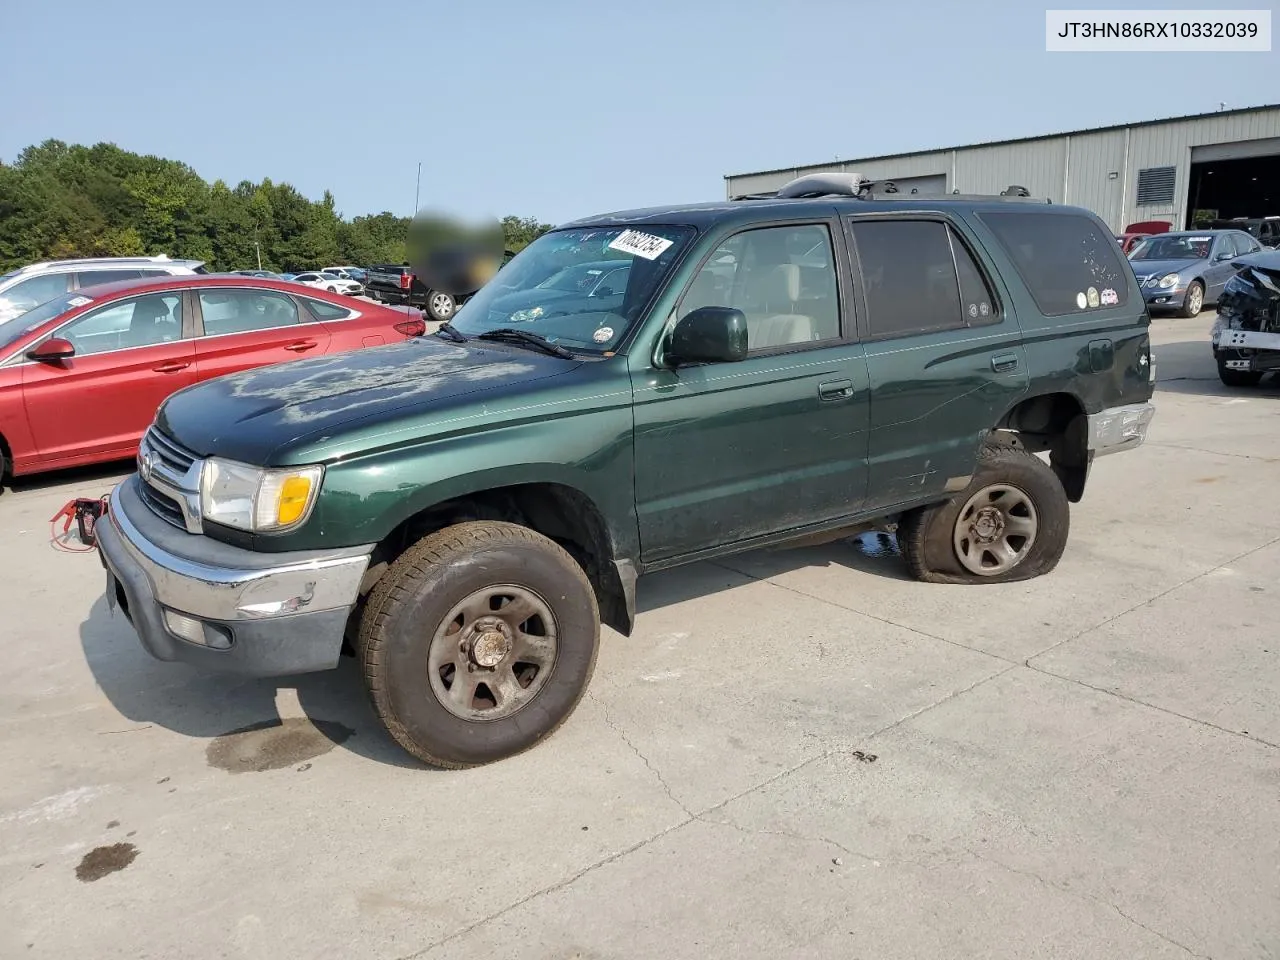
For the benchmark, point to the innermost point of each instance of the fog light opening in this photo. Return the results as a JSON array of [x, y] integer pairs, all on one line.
[[197, 631]]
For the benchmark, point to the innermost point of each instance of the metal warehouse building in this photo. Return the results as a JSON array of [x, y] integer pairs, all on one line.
[[1226, 163]]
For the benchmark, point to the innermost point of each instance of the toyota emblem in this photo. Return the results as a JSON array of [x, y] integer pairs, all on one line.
[[144, 465]]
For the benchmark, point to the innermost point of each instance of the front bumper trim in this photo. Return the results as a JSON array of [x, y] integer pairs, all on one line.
[[1119, 428], [195, 599]]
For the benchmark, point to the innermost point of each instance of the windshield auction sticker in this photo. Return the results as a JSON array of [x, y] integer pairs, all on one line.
[[641, 244], [1157, 31]]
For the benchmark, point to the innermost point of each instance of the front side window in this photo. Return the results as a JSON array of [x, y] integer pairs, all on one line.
[[1062, 257], [782, 278], [32, 292], [918, 277], [240, 311], [581, 288], [139, 322]]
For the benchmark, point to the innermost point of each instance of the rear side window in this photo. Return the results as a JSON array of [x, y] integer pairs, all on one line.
[[240, 311], [1067, 263], [918, 277], [326, 311], [93, 278]]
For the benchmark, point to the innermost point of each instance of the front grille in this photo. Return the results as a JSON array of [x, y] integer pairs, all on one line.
[[173, 455], [162, 506]]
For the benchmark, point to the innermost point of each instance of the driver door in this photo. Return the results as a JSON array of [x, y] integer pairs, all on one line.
[[130, 355]]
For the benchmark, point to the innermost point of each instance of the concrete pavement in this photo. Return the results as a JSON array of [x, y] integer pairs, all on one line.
[[799, 754]]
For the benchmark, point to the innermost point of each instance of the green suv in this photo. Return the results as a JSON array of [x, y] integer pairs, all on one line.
[[462, 511]]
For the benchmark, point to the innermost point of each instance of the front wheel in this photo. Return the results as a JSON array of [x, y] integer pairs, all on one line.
[[1009, 524], [1193, 303], [440, 306], [478, 642]]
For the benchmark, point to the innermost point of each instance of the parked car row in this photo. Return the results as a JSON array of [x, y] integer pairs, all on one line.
[[82, 374], [1187, 270]]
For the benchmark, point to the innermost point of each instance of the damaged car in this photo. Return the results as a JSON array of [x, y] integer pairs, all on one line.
[[1246, 335]]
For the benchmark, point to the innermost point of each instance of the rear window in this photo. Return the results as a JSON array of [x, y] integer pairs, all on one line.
[[1067, 263], [326, 311]]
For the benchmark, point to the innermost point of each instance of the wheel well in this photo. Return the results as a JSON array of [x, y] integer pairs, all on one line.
[[558, 512], [1057, 423]]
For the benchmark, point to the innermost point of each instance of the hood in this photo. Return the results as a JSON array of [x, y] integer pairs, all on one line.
[[249, 416], [1159, 268]]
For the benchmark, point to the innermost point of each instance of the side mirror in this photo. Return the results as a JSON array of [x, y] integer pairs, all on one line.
[[708, 335], [1225, 256], [52, 350]]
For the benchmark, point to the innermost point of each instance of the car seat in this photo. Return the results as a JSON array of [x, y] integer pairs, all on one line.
[[151, 323]]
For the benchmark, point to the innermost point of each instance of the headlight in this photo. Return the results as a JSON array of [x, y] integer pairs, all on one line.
[[256, 499], [1168, 280]]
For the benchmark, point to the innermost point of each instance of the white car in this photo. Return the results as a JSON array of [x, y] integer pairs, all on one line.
[[327, 281], [37, 283]]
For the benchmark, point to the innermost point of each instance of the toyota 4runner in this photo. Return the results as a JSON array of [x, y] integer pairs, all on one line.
[[462, 511]]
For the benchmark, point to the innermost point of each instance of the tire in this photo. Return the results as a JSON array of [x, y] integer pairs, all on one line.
[[1236, 378], [1194, 298], [1009, 482], [440, 306], [412, 661]]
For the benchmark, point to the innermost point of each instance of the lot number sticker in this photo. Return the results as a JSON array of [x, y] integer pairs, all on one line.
[[641, 244]]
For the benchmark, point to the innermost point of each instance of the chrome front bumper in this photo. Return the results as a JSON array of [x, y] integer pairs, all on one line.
[[193, 598], [1119, 428]]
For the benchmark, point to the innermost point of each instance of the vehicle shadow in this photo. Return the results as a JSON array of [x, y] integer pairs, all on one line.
[[221, 709], [109, 473], [1187, 367]]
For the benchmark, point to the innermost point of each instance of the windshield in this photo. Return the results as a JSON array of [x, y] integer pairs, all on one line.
[[1173, 248], [582, 289], [13, 330]]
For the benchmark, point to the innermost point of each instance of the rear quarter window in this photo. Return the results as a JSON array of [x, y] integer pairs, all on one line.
[[1068, 264], [326, 311]]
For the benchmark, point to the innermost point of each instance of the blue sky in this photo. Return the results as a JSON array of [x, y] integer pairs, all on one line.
[[557, 109]]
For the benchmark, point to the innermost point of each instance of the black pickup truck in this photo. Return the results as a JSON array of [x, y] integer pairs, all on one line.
[[397, 283]]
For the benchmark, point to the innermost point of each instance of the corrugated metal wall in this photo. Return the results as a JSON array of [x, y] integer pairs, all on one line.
[[1087, 169]]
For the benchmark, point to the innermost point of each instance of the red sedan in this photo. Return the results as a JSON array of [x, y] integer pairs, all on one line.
[[81, 376]]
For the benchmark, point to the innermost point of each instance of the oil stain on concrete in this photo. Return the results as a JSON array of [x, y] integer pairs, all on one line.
[[100, 861], [275, 744]]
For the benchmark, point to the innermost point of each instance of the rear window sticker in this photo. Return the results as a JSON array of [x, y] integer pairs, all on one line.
[[1093, 296], [1081, 300], [1109, 297]]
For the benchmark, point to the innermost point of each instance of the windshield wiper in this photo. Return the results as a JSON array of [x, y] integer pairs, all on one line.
[[451, 332], [507, 335]]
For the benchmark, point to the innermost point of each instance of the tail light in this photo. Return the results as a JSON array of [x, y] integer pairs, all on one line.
[[412, 328], [406, 281]]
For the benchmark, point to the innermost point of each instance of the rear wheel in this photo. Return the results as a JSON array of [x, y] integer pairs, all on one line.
[[1235, 378], [1193, 303], [478, 643], [440, 306], [1010, 523]]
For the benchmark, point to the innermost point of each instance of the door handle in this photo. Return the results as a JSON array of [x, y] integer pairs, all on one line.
[[172, 366], [1004, 361], [835, 390], [300, 345]]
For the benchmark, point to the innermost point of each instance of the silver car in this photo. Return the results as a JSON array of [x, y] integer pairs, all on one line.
[[1187, 271], [29, 286]]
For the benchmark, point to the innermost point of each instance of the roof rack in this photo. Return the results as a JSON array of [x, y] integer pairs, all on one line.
[[158, 258], [857, 186]]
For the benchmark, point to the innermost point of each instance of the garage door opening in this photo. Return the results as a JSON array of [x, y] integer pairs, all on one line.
[[1227, 189]]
